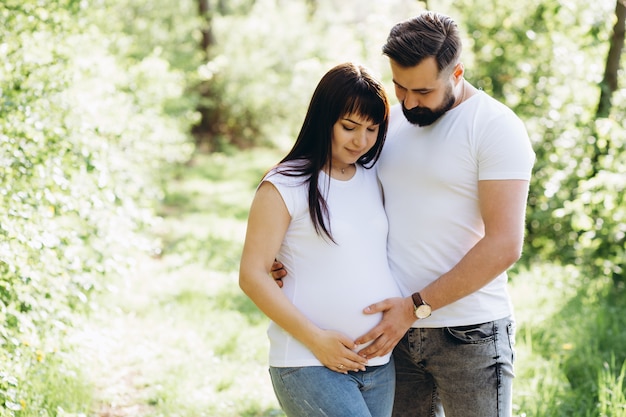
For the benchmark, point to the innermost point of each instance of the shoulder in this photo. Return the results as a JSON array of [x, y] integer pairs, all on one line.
[[288, 174], [490, 119], [491, 109]]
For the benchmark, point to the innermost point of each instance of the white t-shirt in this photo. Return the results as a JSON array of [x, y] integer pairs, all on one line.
[[332, 283], [430, 180]]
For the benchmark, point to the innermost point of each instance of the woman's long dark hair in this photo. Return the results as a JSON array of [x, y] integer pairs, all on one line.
[[346, 89]]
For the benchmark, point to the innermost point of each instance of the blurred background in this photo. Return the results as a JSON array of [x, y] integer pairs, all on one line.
[[133, 134]]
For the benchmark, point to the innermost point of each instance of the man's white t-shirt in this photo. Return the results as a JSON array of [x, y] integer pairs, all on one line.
[[430, 181], [332, 283]]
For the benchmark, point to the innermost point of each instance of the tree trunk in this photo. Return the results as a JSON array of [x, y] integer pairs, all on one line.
[[609, 83], [203, 131], [204, 10]]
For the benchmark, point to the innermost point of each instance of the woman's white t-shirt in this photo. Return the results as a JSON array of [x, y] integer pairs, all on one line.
[[332, 283]]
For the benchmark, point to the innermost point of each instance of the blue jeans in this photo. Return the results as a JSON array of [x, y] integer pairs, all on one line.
[[312, 391], [466, 371]]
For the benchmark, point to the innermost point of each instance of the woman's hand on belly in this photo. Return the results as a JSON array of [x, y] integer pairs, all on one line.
[[336, 351]]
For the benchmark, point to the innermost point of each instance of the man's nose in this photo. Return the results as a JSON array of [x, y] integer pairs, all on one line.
[[411, 101]]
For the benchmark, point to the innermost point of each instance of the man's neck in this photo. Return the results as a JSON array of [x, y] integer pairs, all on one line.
[[464, 90]]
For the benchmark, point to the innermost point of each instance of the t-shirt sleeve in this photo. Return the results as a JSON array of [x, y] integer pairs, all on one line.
[[290, 189], [505, 151]]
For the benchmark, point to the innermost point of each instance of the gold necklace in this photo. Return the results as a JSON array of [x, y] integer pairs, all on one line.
[[341, 171]]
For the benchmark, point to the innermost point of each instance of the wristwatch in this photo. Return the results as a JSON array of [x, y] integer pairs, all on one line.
[[422, 308]]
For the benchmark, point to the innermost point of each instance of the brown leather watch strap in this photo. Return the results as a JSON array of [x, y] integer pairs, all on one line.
[[417, 299]]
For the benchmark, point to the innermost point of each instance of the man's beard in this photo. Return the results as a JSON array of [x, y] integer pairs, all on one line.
[[423, 116]]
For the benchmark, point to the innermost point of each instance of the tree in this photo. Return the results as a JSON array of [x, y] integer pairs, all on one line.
[[208, 39], [220, 124], [609, 83]]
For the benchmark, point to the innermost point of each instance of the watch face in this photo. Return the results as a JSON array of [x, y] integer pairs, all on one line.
[[422, 311]]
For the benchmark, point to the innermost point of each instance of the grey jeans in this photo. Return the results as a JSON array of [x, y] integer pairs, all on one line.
[[465, 371]]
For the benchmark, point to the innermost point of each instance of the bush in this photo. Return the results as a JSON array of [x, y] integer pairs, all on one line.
[[576, 203], [83, 135]]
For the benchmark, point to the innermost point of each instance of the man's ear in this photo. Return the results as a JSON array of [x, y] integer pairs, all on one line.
[[458, 72]]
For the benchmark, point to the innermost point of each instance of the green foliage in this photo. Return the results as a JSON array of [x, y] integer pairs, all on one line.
[[83, 134], [266, 62], [546, 61], [570, 355], [56, 385], [612, 389]]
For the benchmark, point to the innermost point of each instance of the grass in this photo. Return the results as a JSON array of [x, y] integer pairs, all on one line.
[[570, 350], [177, 338], [188, 343], [55, 384]]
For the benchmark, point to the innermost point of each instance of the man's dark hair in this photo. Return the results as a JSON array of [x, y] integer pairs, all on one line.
[[427, 35]]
